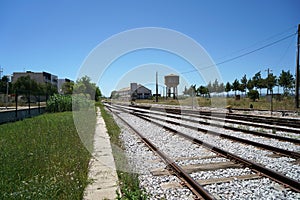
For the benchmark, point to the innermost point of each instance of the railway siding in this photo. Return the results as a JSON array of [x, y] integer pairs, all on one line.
[[218, 175]]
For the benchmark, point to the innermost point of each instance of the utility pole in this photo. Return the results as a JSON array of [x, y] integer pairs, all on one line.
[[1, 71], [297, 71], [156, 99], [268, 70], [271, 90], [7, 86]]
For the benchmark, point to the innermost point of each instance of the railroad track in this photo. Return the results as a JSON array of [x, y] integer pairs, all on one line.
[[195, 187], [287, 148], [215, 122], [232, 161], [273, 123]]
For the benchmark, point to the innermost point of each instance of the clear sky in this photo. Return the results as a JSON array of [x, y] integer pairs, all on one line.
[[56, 36]]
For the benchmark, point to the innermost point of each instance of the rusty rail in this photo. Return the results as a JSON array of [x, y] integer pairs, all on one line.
[[278, 177], [195, 187]]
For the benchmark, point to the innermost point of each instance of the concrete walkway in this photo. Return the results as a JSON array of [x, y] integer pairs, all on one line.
[[102, 166]]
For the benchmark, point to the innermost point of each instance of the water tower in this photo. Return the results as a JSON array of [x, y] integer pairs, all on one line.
[[172, 81]]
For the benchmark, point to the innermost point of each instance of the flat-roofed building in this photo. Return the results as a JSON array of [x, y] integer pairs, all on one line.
[[39, 77]]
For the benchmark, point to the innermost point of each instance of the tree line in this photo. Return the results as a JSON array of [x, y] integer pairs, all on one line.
[[254, 84], [26, 84]]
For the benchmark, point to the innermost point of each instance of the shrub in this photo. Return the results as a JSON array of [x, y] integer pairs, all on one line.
[[253, 95], [81, 102], [61, 103]]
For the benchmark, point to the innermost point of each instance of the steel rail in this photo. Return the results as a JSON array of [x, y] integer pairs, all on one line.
[[272, 136], [249, 123], [261, 119], [215, 133], [278, 177], [195, 187], [286, 181], [217, 116]]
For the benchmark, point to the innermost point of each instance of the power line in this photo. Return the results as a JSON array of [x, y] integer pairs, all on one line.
[[244, 54], [261, 41], [285, 52]]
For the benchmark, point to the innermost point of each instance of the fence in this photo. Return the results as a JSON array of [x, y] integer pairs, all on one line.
[[15, 115], [21, 104]]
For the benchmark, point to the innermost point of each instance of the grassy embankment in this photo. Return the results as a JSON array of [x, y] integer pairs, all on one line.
[[287, 103], [43, 158], [129, 182]]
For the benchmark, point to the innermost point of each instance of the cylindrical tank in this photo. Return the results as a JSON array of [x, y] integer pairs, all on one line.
[[172, 80]]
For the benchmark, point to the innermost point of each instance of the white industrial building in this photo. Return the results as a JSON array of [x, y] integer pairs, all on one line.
[[135, 91]]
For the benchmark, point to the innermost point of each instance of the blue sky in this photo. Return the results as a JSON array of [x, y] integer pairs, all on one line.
[[57, 36]]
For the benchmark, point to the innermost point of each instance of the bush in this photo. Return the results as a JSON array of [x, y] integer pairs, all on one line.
[[81, 102], [253, 95], [61, 103]]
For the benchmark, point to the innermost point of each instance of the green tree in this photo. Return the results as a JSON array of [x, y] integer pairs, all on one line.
[[243, 84], [114, 95], [227, 87], [185, 91], [286, 81], [215, 86], [191, 91], [261, 84], [270, 81], [235, 86], [202, 90], [47, 89], [256, 79], [241, 88], [221, 88], [253, 95], [86, 87], [4, 82], [26, 84], [67, 87], [79, 88], [250, 85], [198, 91], [98, 94], [210, 87]]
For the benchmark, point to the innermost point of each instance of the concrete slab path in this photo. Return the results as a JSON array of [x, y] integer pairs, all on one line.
[[102, 166]]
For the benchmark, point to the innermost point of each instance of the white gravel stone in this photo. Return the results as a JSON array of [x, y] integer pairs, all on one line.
[[143, 160], [251, 189], [282, 164]]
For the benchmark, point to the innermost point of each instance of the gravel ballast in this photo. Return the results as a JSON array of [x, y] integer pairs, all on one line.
[[143, 161]]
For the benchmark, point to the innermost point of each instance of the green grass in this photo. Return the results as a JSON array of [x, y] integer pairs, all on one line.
[[287, 103], [42, 158], [129, 182]]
